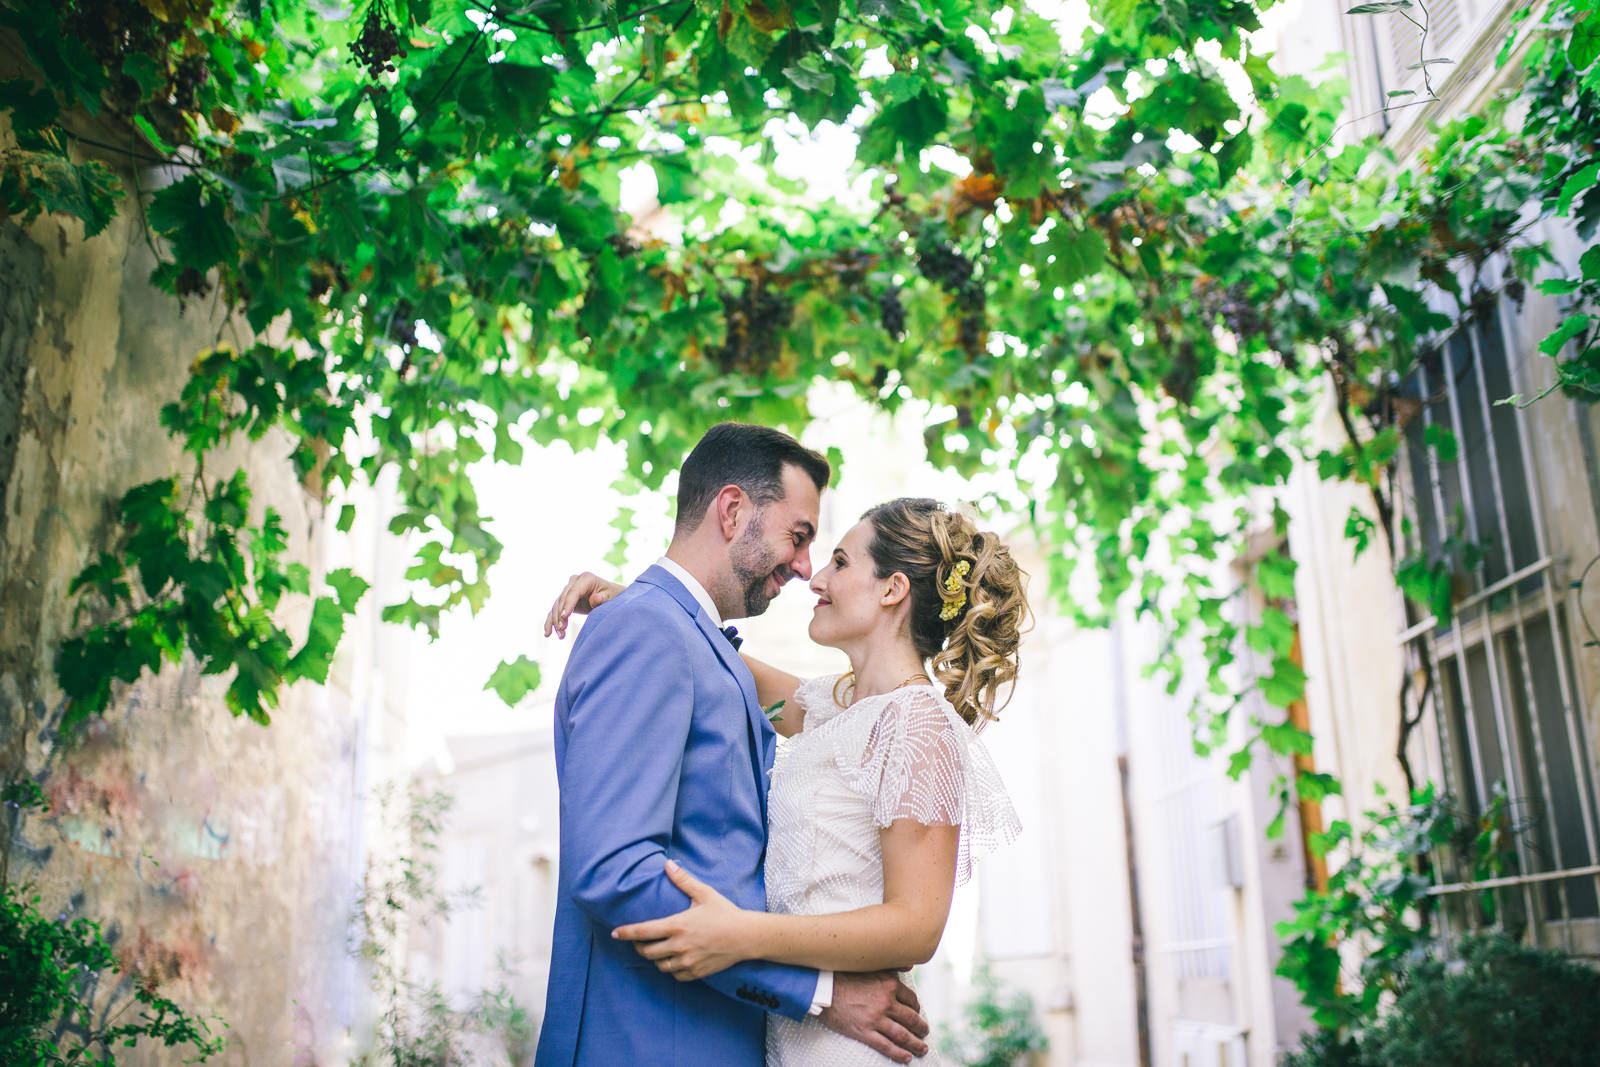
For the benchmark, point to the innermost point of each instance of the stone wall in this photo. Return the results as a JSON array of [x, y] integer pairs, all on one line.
[[223, 857]]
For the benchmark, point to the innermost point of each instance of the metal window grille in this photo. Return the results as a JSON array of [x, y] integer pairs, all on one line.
[[1504, 708]]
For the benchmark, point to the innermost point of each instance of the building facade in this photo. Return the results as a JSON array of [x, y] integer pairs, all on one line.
[[1503, 698], [1506, 693]]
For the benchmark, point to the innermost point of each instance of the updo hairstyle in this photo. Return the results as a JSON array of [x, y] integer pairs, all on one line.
[[973, 647]]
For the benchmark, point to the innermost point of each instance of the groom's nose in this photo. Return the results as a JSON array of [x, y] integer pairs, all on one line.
[[801, 564]]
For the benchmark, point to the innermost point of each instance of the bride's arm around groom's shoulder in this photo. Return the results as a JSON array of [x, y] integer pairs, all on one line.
[[582, 594], [586, 591]]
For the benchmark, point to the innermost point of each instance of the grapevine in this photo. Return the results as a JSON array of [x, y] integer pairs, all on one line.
[[892, 313], [943, 264], [378, 45], [756, 319]]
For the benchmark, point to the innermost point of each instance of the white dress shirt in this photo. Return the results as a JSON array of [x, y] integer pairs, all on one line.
[[823, 997], [691, 583]]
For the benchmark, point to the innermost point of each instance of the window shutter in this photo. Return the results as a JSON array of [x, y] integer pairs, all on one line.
[[1446, 21]]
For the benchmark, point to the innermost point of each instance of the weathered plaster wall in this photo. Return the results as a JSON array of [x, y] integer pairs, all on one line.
[[222, 855], [21, 266]]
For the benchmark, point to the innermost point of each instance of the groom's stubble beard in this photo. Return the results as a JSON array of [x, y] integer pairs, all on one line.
[[753, 563]]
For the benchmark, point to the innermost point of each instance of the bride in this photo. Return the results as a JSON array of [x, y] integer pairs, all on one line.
[[883, 796]]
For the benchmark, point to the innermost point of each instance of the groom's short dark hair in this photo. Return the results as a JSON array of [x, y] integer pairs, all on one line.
[[751, 457]]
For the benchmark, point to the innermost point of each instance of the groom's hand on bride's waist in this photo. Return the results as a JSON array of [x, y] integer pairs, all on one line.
[[880, 1011]]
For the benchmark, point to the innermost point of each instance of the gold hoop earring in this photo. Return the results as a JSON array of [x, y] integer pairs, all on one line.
[[848, 676]]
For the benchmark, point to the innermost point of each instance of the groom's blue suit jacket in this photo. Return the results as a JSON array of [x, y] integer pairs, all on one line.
[[662, 751]]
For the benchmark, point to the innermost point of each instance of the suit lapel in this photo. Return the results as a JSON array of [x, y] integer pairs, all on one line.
[[762, 736]]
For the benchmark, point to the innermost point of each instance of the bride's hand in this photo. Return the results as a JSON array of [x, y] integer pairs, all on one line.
[[584, 593], [707, 938]]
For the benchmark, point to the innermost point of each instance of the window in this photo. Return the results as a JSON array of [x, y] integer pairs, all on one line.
[[1389, 48], [1187, 813], [1504, 703], [1402, 47]]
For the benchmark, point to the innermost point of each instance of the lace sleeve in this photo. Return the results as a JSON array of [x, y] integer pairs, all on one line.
[[918, 760], [814, 695]]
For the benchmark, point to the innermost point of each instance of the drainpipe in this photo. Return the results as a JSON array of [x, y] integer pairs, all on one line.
[[1141, 982], [1591, 462]]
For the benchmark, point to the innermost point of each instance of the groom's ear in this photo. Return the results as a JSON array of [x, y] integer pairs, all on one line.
[[896, 589], [729, 508]]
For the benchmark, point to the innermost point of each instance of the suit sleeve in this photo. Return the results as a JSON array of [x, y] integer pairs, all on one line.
[[630, 702]]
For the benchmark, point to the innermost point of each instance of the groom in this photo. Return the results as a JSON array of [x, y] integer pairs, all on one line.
[[662, 751]]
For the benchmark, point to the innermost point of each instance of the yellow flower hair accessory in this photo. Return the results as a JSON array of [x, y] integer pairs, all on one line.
[[952, 587]]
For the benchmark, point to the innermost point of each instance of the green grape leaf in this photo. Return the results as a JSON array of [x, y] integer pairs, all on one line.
[[514, 679]]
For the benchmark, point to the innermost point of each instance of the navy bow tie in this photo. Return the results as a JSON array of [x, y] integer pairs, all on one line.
[[733, 637]]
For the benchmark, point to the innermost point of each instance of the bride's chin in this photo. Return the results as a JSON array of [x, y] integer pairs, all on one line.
[[817, 634]]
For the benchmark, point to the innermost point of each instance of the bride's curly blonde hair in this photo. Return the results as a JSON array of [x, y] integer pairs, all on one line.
[[968, 620]]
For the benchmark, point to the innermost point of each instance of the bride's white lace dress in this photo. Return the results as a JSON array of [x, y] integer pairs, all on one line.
[[850, 772]]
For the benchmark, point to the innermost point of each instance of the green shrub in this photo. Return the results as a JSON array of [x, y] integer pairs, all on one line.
[[1501, 1005], [1326, 1048], [999, 1027], [418, 1025], [53, 972]]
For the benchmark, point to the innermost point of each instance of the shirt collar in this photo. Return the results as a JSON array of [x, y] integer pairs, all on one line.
[[693, 585]]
